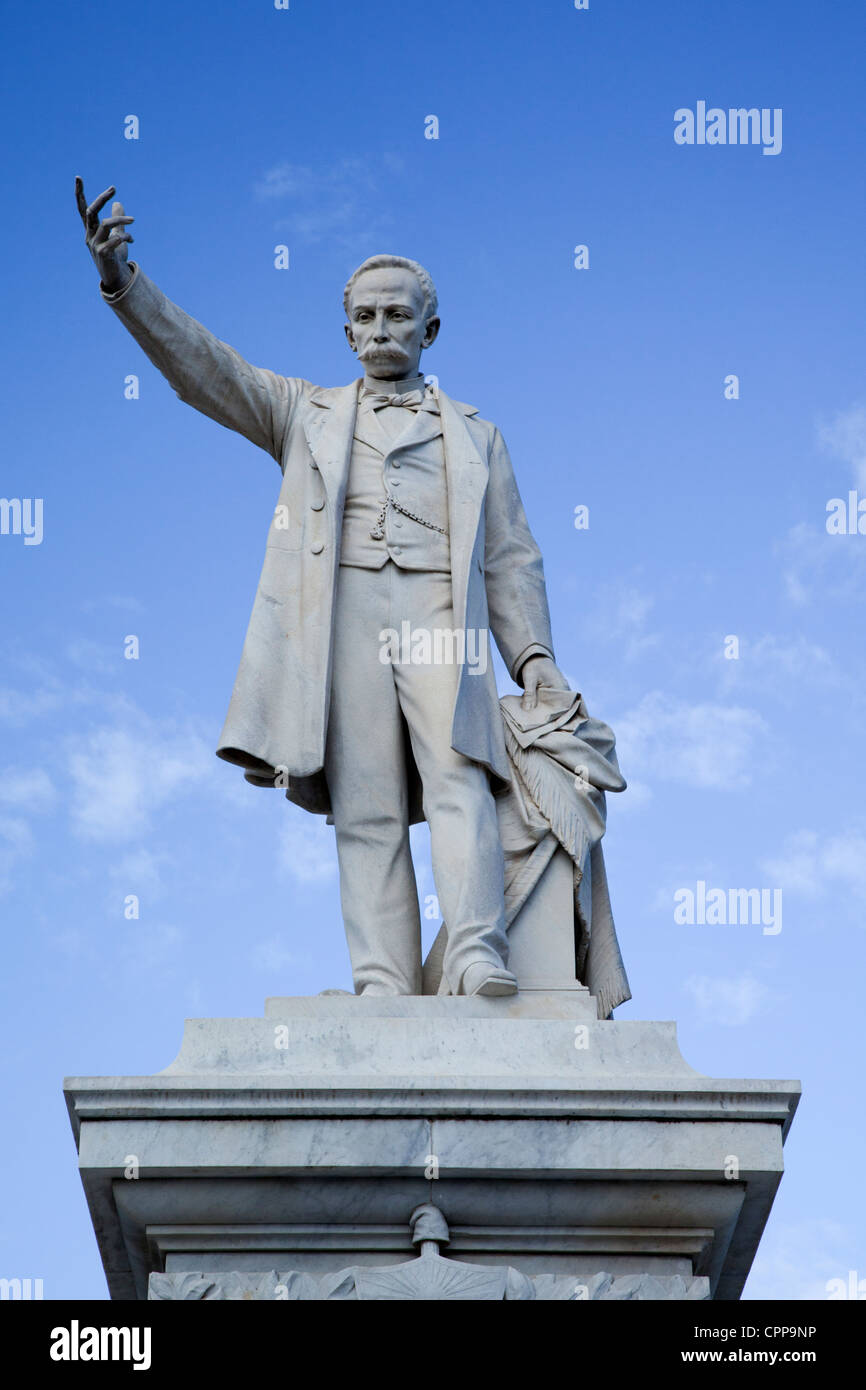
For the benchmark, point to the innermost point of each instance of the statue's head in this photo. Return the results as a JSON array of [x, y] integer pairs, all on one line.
[[390, 305]]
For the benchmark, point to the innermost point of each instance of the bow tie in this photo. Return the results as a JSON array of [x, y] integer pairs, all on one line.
[[414, 399]]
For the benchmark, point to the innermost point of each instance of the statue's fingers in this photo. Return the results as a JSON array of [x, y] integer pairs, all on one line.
[[104, 228], [80, 198], [116, 240], [97, 205]]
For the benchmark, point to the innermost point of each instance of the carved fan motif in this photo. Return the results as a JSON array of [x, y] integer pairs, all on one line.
[[432, 1278]]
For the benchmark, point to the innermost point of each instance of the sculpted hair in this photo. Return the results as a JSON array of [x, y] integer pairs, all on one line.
[[424, 278]]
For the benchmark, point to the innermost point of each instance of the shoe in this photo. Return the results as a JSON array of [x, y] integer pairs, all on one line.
[[488, 980]]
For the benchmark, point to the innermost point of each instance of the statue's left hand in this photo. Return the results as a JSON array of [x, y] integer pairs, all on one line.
[[540, 670]]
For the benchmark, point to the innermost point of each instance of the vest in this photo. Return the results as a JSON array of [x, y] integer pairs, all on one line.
[[401, 450]]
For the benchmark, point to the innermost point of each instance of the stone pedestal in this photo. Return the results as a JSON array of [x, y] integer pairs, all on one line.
[[288, 1156]]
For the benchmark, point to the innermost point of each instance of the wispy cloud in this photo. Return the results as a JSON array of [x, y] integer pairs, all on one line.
[[780, 666], [124, 602], [122, 774], [24, 792], [701, 745], [307, 849], [31, 789], [844, 437], [96, 658], [344, 203], [809, 863], [20, 707], [797, 1260], [140, 872], [16, 843], [620, 613], [728, 1001], [814, 562], [274, 957]]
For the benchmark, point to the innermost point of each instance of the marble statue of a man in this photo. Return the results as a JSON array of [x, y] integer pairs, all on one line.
[[398, 518]]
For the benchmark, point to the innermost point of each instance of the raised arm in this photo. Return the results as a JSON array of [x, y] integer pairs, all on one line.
[[204, 371]]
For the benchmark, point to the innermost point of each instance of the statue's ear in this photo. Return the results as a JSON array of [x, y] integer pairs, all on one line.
[[431, 332], [347, 329]]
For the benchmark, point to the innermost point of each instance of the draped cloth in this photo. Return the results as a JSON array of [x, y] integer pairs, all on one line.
[[563, 763]]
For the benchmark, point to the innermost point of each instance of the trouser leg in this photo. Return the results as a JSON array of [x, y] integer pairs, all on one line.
[[458, 803], [366, 771]]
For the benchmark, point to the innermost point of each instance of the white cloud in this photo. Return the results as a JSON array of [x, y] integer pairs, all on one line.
[[121, 774], [797, 1260], [274, 956], [810, 863], [729, 1001], [29, 706], [619, 614], [813, 561], [97, 658], [307, 848], [27, 789], [16, 843], [702, 745], [121, 601], [844, 437], [782, 665], [139, 872], [341, 203]]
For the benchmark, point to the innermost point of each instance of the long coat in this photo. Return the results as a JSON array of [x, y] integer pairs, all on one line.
[[277, 720]]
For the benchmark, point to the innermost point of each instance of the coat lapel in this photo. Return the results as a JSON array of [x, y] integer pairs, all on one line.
[[329, 424], [467, 474], [421, 425], [368, 428]]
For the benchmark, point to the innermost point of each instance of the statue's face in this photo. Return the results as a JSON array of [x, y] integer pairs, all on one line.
[[386, 323]]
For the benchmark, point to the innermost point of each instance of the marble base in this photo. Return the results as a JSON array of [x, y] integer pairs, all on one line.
[[297, 1146]]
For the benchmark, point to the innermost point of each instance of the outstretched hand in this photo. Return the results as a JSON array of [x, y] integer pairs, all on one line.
[[107, 240]]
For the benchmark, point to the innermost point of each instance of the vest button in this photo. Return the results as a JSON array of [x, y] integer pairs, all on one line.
[[317, 548], [317, 506], [397, 549], [397, 523], [395, 463]]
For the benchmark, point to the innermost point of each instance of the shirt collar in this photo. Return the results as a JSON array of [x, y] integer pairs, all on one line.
[[415, 383]]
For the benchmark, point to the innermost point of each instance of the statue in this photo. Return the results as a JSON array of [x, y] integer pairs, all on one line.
[[398, 544]]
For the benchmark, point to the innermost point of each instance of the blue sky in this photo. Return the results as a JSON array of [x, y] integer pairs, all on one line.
[[707, 515]]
